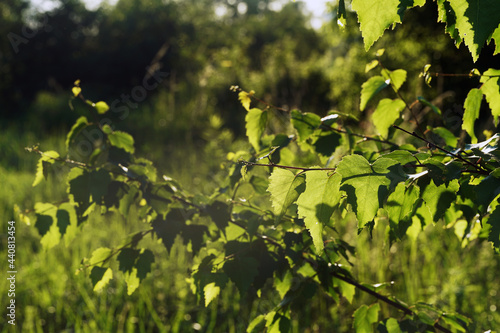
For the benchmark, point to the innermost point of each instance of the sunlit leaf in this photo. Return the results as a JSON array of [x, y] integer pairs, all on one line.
[[374, 17], [122, 140], [316, 203], [101, 107], [476, 20], [472, 105], [45, 160], [365, 317], [76, 91], [75, 130], [366, 184], [491, 89], [245, 99], [256, 121], [285, 188], [396, 77], [387, 112]]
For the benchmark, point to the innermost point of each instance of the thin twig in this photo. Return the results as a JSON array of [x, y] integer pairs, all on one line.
[[272, 165], [364, 137], [459, 157]]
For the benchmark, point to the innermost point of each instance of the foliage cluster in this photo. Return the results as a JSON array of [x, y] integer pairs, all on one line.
[[321, 174]]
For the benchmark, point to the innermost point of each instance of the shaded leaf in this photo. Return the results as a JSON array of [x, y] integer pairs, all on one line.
[[127, 258], [370, 88], [305, 123], [242, 271]]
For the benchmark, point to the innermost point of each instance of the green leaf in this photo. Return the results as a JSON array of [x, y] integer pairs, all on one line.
[[77, 127], [494, 233], [316, 203], [305, 123], [449, 138], [45, 217], [327, 144], [169, 228], [219, 213], [374, 17], [100, 277], [439, 198], [144, 262], [365, 183], [396, 77], [67, 222], [101, 107], [277, 323], [386, 114], [476, 20], [242, 271], [256, 121], [496, 37], [76, 91], [488, 188], [285, 188], [159, 197], [447, 16], [245, 99], [211, 292], [41, 171], [365, 317], [122, 140], [215, 281], [400, 206], [429, 104], [491, 89], [371, 65], [370, 88], [259, 184], [257, 325], [100, 255], [472, 105], [391, 325], [127, 258], [402, 156]]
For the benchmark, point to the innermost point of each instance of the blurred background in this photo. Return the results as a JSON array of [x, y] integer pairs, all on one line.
[[165, 67]]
